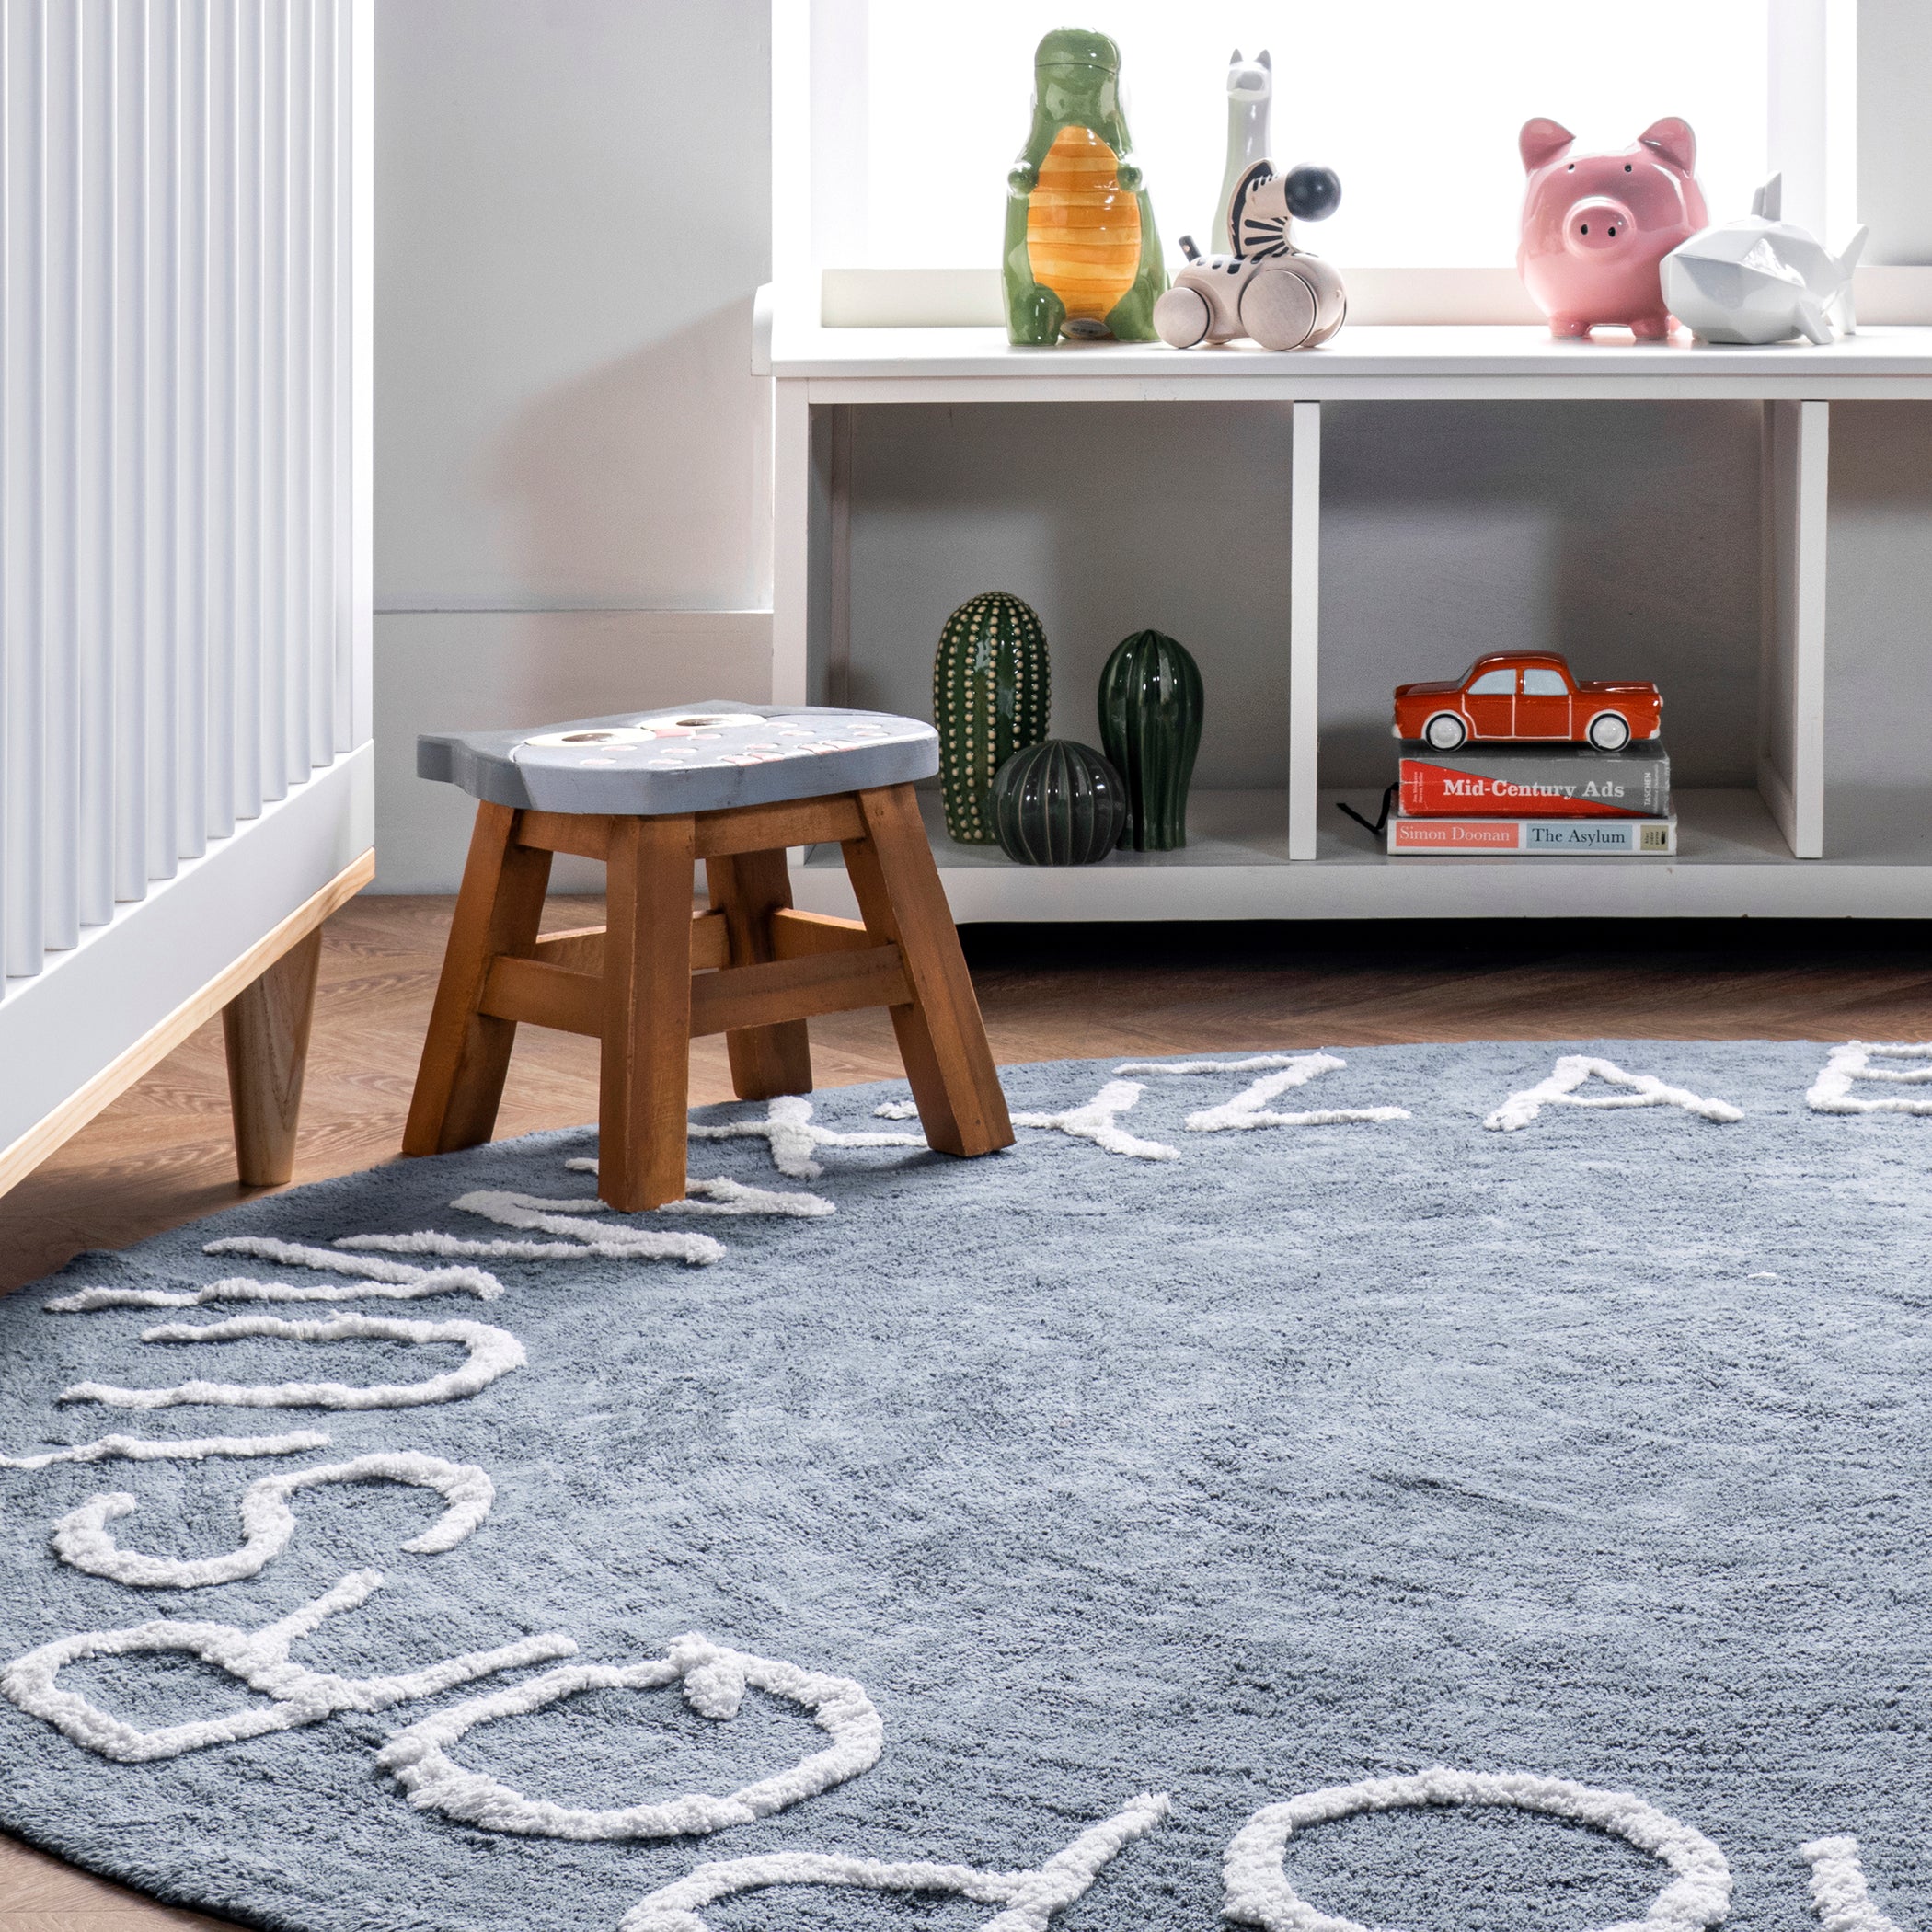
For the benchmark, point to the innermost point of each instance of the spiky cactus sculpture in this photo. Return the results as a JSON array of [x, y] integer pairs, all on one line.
[[992, 696]]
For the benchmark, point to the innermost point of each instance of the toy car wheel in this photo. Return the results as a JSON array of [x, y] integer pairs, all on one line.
[[1181, 317], [1445, 731], [1278, 308], [1609, 731]]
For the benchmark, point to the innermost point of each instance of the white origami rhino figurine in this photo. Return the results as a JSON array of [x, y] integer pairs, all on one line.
[[1761, 280]]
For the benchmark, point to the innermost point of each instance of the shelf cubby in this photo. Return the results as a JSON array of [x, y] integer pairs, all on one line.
[[1215, 530]]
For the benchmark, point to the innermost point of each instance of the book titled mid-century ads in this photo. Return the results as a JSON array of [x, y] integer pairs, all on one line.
[[1546, 781]]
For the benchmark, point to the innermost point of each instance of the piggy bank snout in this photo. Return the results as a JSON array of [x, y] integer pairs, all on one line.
[[1595, 225]]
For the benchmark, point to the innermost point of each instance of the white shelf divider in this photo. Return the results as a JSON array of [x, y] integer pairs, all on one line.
[[1304, 629], [1797, 472]]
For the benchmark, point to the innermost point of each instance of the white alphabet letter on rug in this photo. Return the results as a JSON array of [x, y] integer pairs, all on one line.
[[1831, 1092], [1030, 1897], [793, 1135], [724, 1196], [332, 1260], [1250, 1107], [83, 1539], [1838, 1893], [138, 1449], [1099, 1122], [1573, 1069], [258, 1659], [371, 1279], [714, 1681], [1259, 1894], [584, 1240], [493, 1353]]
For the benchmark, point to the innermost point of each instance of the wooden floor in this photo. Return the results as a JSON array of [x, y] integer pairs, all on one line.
[[161, 1155]]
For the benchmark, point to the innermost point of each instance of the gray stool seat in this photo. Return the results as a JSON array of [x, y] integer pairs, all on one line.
[[649, 796], [692, 758]]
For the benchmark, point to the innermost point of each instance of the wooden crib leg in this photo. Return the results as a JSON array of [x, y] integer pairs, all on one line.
[[265, 1027]]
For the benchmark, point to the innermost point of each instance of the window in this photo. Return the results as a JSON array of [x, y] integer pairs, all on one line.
[[1415, 104], [1494, 683], [1544, 682]]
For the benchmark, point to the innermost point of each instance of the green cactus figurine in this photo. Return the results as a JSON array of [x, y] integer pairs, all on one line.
[[1057, 803], [992, 696], [1082, 259], [1150, 725]]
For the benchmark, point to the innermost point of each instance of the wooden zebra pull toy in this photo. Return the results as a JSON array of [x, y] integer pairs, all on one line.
[[1265, 287]]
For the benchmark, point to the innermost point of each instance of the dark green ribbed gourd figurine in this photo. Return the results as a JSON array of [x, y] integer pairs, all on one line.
[[1150, 727], [1057, 803], [992, 696]]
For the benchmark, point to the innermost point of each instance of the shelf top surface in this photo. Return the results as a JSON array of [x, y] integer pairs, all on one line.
[[1364, 356]]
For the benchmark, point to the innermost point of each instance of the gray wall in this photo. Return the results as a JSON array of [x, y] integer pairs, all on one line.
[[1626, 534], [572, 221], [1879, 632], [1101, 526], [1623, 534]]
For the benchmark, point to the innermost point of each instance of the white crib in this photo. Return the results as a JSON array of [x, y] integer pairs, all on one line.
[[185, 322]]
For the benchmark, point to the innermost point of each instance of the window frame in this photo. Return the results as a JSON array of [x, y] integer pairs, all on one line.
[[821, 169]]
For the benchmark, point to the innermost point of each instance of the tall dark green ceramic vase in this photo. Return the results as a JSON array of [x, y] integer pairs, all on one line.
[[992, 696], [1150, 728]]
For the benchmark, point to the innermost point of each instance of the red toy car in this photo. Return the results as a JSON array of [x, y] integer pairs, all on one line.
[[1527, 695]]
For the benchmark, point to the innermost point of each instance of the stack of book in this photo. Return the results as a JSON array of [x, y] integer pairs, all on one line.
[[1564, 799]]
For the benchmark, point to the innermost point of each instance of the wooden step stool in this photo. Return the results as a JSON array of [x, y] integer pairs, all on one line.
[[650, 796]]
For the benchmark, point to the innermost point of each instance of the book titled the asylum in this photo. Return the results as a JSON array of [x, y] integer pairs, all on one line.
[[1540, 780], [1569, 837]]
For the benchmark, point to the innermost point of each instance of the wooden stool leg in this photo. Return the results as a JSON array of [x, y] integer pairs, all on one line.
[[466, 1054], [748, 888], [265, 1027], [645, 1088], [942, 1037]]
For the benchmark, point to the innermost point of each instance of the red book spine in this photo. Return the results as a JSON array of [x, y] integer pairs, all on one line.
[[1437, 791]]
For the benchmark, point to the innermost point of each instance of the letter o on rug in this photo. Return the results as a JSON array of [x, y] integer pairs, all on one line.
[[1259, 1894], [714, 1682]]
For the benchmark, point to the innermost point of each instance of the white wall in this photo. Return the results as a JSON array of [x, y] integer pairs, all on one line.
[[571, 455], [1894, 130]]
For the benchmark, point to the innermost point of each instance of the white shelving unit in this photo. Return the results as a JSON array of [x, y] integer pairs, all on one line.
[[1285, 855]]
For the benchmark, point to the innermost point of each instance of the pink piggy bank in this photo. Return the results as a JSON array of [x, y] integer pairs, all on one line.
[[1596, 227]]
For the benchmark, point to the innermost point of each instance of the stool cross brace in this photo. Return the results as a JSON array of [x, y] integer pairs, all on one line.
[[658, 973]]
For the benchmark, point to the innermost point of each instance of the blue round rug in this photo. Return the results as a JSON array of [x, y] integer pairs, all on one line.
[[1449, 1488]]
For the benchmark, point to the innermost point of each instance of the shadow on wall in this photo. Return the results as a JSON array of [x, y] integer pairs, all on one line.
[[1879, 642], [1623, 534], [610, 485], [1109, 519]]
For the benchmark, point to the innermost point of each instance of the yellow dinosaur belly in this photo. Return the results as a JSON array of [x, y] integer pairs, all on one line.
[[1083, 227]]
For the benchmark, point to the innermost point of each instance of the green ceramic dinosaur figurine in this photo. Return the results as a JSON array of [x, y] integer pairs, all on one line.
[[1082, 259]]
